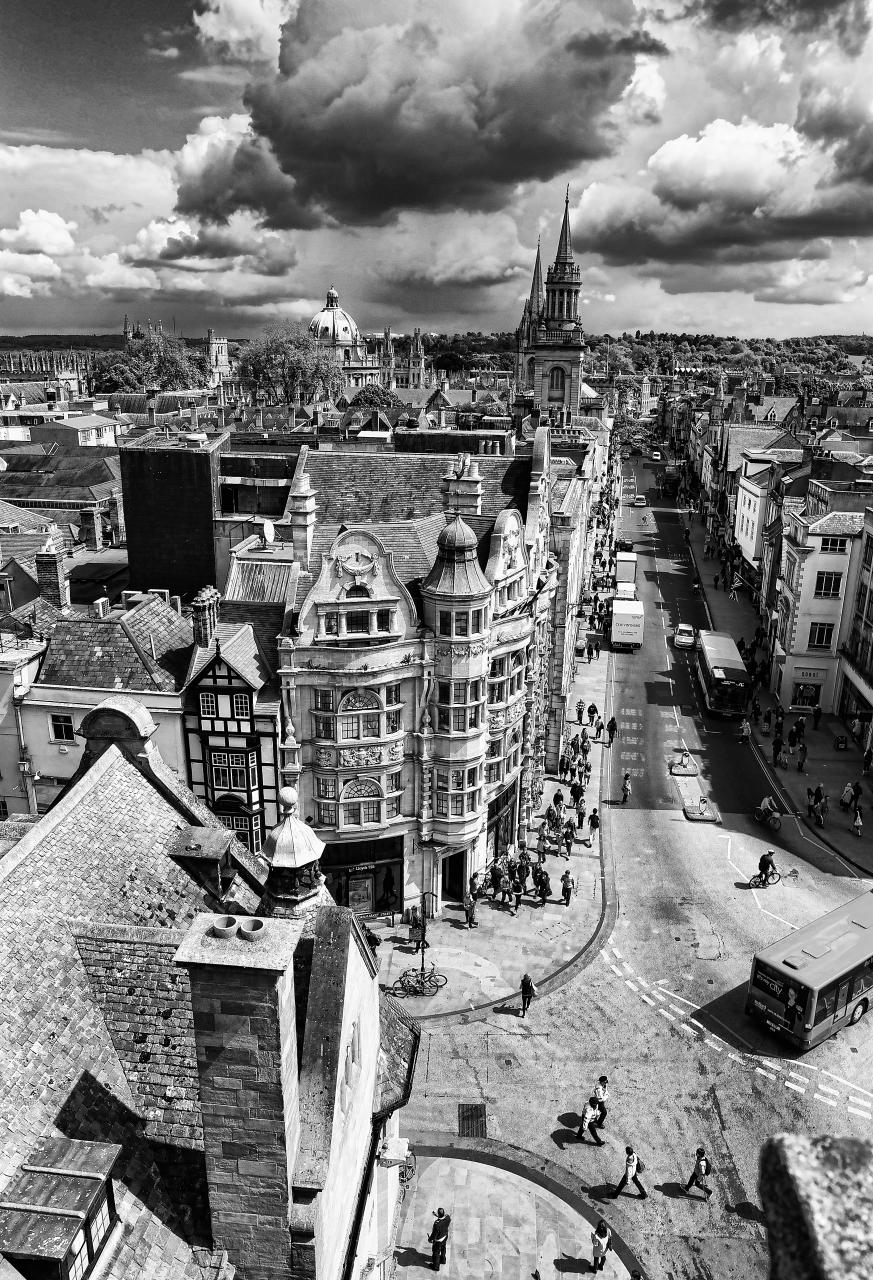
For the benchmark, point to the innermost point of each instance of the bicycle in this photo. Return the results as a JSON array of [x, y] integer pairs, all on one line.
[[773, 820], [418, 982], [758, 881]]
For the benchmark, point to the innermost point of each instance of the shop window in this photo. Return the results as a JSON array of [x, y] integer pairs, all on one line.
[[827, 585], [208, 706], [821, 635]]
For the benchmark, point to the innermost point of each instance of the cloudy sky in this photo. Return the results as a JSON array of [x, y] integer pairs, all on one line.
[[224, 161]]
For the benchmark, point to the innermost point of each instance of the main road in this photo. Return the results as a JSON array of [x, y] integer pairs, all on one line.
[[660, 1010]]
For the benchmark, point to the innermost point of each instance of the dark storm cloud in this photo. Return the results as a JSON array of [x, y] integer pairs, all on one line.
[[264, 255], [844, 125], [847, 21], [422, 112]]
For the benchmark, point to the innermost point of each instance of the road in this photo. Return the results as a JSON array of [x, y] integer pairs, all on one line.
[[660, 1010]]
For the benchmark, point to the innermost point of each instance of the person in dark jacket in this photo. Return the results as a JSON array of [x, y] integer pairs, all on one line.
[[439, 1238]]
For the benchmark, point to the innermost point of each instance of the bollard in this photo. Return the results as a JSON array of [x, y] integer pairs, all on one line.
[[704, 804]]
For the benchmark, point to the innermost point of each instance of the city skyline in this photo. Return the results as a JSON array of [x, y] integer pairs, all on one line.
[[217, 163]]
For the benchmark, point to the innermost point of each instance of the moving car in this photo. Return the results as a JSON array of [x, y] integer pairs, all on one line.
[[684, 636], [656, 455], [640, 500], [623, 544]]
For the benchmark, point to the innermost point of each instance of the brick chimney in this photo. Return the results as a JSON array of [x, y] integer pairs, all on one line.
[[52, 579], [204, 615], [462, 491], [300, 513], [241, 973]]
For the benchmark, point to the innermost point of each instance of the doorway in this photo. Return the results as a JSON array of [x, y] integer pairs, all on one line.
[[453, 877]]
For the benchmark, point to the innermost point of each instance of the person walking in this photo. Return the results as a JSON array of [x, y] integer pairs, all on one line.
[[716, 579], [599, 726], [568, 884], [588, 1123], [699, 1175], [544, 888], [592, 712], [596, 649], [612, 729], [626, 788], [802, 750], [528, 991], [416, 930], [816, 715], [633, 1167], [768, 720], [792, 740], [581, 810], [601, 1243], [517, 890], [601, 1093], [868, 759], [593, 827], [469, 909], [505, 889], [589, 652], [858, 822], [439, 1238], [777, 748], [569, 834], [563, 766]]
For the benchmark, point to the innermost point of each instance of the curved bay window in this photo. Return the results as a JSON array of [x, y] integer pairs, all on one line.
[[459, 705], [457, 791], [506, 677], [358, 716], [361, 803]]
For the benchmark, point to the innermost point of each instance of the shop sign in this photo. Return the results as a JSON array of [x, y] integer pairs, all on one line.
[[800, 674]]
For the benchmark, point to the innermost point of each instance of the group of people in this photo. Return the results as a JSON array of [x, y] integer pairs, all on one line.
[[850, 800], [511, 876]]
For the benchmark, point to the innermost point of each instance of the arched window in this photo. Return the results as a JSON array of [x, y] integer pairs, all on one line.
[[531, 371], [357, 593], [360, 700], [361, 802], [557, 382]]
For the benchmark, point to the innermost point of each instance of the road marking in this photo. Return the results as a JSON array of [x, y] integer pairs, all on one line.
[[648, 1000], [736, 1057], [850, 1083], [825, 1088], [711, 1044], [798, 1076], [856, 1112], [675, 994], [683, 1026], [615, 969], [632, 986], [862, 1102], [831, 1102], [665, 1014], [677, 1010], [796, 1087], [616, 952], [769, 1074]]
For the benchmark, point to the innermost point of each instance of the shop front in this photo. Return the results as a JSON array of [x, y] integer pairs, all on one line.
[[806, 687], [366, 875], [501, 822], [855, 707]]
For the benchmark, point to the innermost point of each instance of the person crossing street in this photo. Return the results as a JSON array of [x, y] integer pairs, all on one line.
[[633, 1167], [700, 1173]]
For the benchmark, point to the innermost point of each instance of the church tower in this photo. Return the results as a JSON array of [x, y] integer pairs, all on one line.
[[416, 361], [389, 372], [550, 343]]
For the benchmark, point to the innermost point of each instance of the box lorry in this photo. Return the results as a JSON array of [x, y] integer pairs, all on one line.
[[628, 622], [626, 566]]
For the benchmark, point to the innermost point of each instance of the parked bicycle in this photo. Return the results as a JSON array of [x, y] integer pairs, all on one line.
[[418, 982]]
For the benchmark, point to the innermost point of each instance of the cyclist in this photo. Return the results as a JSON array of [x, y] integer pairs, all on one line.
[[768, 806], [745, 730], [766, 867]]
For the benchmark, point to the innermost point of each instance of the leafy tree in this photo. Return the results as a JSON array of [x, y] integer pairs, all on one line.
[[374, 396], [286, 364], [155, 360]]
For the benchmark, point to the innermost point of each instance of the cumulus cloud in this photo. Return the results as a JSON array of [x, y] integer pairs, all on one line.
[[466, 102], [846, 21], [109, 272], [40, 231], [243, 30], [643, 100], [475, 251], [205, 247]]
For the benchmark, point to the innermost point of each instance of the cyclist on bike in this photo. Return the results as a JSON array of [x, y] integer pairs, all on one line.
[[768, 807], [766, 866], [745, 730]]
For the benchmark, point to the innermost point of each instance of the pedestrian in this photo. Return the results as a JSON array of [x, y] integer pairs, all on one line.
[[438, 1238], [575, 743], [601, 1093], [716, 580], [777, 748], [868, 759], [779, 721], [586, 747], [544, 888], [505, 889], [569, 835], [856, 793], [416, 930], [517, 890], [588, 1123], [767, 722], [810, 802], [855, 728], [579, 709], [816, 715], [800, 726], [577, 790], [551, 815], [469, 909], [756, 709], [581, 810], [473, 885], [699, 1175], [601, 1243], [568, 884], [741, 645], [626, 788], [541, 843], [589, 652], [792, 740], [563, 766], [612, 728], [801, 757], [633, 1167], [524, 869], [596, 648], [528, 991], [592, 712], [593, 827], [858, 823]]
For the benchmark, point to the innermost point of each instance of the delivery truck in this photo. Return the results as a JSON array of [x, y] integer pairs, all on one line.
[[628, 622], [626, 566], [625, 591]]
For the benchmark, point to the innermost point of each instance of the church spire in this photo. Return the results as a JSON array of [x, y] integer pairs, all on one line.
[[565, 243], [536, 288]]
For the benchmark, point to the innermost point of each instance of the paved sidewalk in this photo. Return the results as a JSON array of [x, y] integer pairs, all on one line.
[[833, 769], [503, 1226]]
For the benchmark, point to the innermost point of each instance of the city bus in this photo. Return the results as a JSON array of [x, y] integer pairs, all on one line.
[[722, 673], [819, 978]]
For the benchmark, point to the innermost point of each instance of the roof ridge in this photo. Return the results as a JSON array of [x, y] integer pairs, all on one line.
[[149, 663]]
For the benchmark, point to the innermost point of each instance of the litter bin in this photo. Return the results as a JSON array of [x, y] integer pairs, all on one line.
[[841, 742]]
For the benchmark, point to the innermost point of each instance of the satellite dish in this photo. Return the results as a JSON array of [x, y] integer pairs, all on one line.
[[269, 531]]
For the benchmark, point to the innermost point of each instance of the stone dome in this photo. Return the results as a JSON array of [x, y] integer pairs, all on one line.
[[457, 536], [333, 325]]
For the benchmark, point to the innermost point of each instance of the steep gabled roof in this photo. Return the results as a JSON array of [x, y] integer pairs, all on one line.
[[146, 649]]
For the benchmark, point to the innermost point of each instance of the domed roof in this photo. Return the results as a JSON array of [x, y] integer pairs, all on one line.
[[334, 325], [457, 536]]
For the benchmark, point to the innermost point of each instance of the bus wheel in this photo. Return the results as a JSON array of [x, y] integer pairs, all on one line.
[[858, 1012]]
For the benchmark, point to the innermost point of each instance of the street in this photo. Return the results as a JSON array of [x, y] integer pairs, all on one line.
[[660, 1008]]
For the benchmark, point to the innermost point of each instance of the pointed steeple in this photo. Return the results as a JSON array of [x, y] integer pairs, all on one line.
[[565, 243], [535, 304]]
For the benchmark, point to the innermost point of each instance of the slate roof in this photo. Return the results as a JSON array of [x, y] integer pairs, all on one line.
[[116, 652], [398, 1051], [37, 617], [239, 648], [748, 440], [838, 524], [71, 472], [357, 488], [26, 520], [412, 542]]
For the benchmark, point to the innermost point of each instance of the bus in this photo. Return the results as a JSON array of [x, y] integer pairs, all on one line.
[[818, 979], [722, 673]]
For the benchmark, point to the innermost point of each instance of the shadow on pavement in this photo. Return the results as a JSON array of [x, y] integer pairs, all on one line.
[[747, 1211], [565, 1264], [725, 1017], [409, 1257], [674, 1191], [602, 1192], [562, 1137]]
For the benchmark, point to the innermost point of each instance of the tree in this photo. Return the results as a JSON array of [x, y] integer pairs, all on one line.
[[155, 360], [286, 364], [374, 396]]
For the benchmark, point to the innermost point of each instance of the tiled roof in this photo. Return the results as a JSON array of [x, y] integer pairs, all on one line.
[[398, 1050], [356, 488], [71, 472], [412, 542], [839, 523], [239, 648], [266, 620], [748, 439], [27, 521], [145, 649]]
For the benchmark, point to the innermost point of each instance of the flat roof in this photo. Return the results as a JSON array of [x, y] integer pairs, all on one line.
[[826, 947]]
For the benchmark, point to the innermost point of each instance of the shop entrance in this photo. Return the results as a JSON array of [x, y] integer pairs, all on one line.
[[453, 877]]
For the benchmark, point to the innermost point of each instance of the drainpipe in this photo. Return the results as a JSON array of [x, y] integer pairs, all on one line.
[[25, 764]]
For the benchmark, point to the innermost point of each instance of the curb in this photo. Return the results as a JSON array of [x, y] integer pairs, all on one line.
[[525, 1164]]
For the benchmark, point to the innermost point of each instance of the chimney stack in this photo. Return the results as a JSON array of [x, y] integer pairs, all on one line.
[[301, 513], [53, 585], [241, 972], [204, 615]]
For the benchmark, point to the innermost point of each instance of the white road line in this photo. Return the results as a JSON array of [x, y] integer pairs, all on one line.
[[627, 966], [769, 1074], [648, 1000], [632, 986], [856, 1112], [851, 1083], [796, 1087], [615, 969], [736, 1057], [710, 1044], [797, 1075], [831, 1102], [616, 952], [697, 1024], [683, 1026], [862, 1102], [665, 1014], [692, 1004], [825, 1088], [677, 1010]]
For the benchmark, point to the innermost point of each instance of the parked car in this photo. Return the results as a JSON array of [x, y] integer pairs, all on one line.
[[623, 544], [684, 636], [656, 455]]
